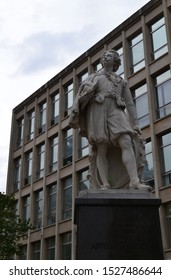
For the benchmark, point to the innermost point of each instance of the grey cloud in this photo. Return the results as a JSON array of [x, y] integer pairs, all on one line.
[[45, 49]]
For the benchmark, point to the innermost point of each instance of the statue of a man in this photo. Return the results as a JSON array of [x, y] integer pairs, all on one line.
[[105, 113]]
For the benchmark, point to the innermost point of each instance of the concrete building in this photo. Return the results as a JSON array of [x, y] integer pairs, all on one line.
[[48, 161]]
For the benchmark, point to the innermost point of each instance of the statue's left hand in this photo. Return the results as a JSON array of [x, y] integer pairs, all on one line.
[[137, 129]]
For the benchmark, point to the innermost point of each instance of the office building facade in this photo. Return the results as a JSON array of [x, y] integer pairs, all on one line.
[[48, 161]]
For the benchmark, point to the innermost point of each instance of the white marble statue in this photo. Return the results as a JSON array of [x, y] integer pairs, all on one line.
[[104, 112]]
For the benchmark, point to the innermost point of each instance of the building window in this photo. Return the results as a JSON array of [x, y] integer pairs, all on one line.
[[97, 66], [40, 161], [31, 120], [17, 172], [66, 246], [26, 208], [158, 38], [83, 146], [82, 77], [120, 71], [67, 199], [50, 248], [36, 250], [141, 102], [51, 219], [83, 180], [68, 90], [42, 117], [166, 156], [147, 176], [53, 154], [163, 96], [55, 108], [67, 159], [20, 132], [38, 209], [137, 53], [28, 171], [168, 220]]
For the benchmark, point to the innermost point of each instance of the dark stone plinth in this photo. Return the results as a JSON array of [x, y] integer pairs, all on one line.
[[118, 225]]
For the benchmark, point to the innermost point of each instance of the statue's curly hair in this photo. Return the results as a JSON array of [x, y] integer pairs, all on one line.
[[117, 60]]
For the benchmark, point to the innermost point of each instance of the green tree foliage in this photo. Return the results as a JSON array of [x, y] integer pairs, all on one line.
[[12, 228]]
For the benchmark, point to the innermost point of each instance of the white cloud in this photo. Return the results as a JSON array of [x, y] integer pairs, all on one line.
[[39, 38]]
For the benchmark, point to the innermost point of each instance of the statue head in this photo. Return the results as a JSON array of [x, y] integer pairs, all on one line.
[[117, 60]]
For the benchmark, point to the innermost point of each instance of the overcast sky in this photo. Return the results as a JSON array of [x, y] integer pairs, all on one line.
[[39, 38]]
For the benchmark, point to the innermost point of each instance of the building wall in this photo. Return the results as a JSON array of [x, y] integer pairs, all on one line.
[[33, 169]]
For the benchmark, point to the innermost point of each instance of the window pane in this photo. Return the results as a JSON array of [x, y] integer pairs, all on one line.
[[67, 198], [158, 24], [36, 250], [31, 118], [83, 77], [20, 128], [83, 181], [68, 97], [54, 154], [166, 156], [66, 246], [159, 38], [83, 147], [41, 161], [51, 248], [163, 95], [166, 139], [26, 208], [52, 204], [97, 67], [141, 103], [163, 77], [142, 106], [138, 53], [136, 39], [38, 209], [42, 120], [17, 171], [67, 147], [55, 109]]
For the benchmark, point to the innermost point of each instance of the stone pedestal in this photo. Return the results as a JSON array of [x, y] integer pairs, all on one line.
[[118, 225]]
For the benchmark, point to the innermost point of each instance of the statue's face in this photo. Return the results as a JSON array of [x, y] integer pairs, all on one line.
[[108, 59]]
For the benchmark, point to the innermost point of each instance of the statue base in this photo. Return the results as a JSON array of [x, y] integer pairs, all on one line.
[[118, 225]]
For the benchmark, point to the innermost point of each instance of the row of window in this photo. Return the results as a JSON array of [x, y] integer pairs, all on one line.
[[48, 198], [158, 39], [162, 100], [39, 169], [49, 245], [47, 160], [65, 241]]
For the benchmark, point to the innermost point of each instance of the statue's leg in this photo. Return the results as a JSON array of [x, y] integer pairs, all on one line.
[[102, 164], [129, 160]]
